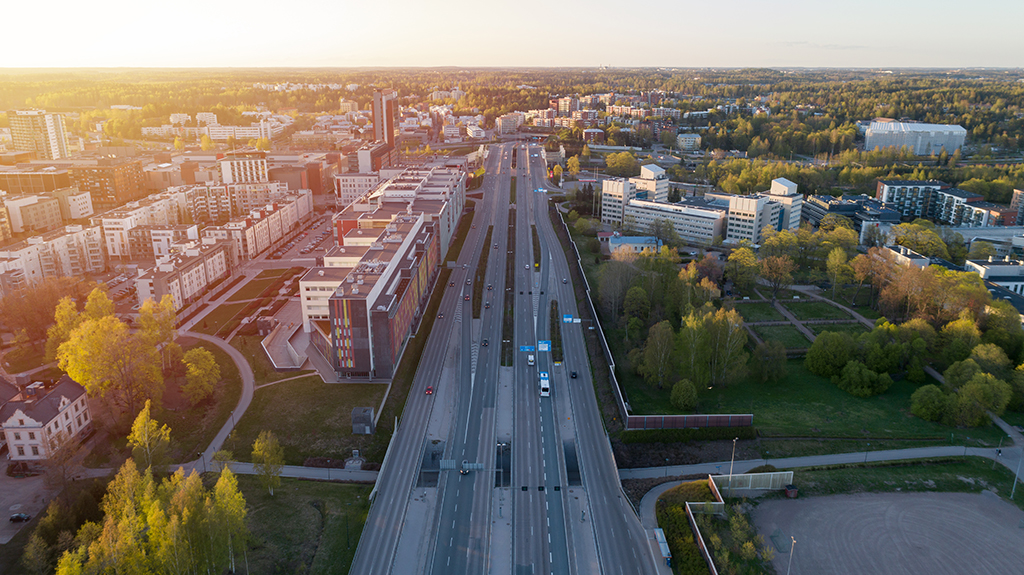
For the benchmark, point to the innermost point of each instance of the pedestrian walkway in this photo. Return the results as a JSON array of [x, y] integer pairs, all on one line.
[[792, 319]]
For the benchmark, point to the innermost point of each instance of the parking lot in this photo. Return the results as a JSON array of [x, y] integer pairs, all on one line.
[[309, 243], [21, 495]]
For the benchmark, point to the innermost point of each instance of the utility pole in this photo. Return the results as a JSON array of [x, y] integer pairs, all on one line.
[[731, 462], [792, 548]]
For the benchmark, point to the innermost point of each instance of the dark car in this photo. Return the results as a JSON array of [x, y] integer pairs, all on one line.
[[430, 390], [490, 287], [451, 284], [487, 305], [485, 343], [20, 517], [440, 316], [466, 298], [573, 375]]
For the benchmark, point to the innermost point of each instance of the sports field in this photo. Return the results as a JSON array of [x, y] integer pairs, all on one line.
[[895, 533]]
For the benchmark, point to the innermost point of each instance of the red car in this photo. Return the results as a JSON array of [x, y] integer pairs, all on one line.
[[430, 390]]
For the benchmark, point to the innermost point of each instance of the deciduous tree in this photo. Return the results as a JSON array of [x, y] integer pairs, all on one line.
[[659, 351], [201, 372], [777, 271], [149, 440], [268, 459]]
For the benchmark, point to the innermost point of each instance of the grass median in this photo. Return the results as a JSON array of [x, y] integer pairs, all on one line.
[[481, 273]]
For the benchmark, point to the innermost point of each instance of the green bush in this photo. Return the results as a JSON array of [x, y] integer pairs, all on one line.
[[684, 395], [928, 403], [856, 379]]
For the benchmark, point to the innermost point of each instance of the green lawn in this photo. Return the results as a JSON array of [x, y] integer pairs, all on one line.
[[958, 474], [24, 358], [306, 527], [193, 429], [760, 311], [788, 335], [253, 289], [805, 405], [460, 234], [310, 418], [218, 317], [853, 329], [815, 310]]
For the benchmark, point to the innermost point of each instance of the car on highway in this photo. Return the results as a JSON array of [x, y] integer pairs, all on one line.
[[440, 316], [468, 281], [495, 246], [430, 390], [573, 375], [485, 343], [490, 287], [565, 281], [465, 468], [527, 266], [487, 305], [466, 297], [451, 284], [20, 517]]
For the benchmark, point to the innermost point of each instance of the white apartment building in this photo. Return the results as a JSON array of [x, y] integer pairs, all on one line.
[[75, 204], [474, 131], [261, 228], [69, 251], [37, 420], [159, 210], [39, 132], [688, 141], [186, 274]]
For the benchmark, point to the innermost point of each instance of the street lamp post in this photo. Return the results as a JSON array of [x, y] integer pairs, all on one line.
[[731, 462], [1015, 475], [866, 453], [204, 462], [792, 548]]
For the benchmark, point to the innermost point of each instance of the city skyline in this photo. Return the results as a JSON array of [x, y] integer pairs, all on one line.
[[797, 33]]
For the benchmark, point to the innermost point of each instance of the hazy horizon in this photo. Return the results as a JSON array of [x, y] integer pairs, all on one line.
[[530, 34]]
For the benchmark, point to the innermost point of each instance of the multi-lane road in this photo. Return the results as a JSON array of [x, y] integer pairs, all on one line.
[[568, 513]]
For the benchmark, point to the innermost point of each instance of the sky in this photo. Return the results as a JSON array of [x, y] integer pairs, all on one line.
[[528, 33]]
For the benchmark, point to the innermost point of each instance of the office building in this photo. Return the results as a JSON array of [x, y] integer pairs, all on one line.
[[920, 139], [785, 193], [38, 132], [652, 184], [350, 187], [1005, 272], [34, 180], [748, 216]]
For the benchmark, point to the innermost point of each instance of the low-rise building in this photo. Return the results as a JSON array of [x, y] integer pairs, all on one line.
[[36, 420], [688, 141], [1005, 272]]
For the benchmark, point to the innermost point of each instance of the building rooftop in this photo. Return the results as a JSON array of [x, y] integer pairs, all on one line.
[[892, 126], [961, 193], [48, 406], [914, 183]]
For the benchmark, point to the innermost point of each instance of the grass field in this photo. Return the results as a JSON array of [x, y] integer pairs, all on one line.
[[512, 192], [24, 358], [194, 428], [815, 310], [306, 527], [957, 474], [788, 335], [309, 417], [803, 405], [760, 311], [853, 329], [460, 234], [253, 289], [220, 315]]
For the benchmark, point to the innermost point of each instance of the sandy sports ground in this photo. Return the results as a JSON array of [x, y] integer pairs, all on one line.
[[895, 533]]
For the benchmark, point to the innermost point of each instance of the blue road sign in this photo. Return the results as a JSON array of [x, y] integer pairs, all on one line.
[[526, 348], [566, 319]]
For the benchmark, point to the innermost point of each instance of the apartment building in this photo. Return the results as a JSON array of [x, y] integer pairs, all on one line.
[[112, 182], [157, 241], [688, 141], [34, 180], [187, 272], [36, 420], [38, 132], [244, 167], [261, 228], [32, 214], [66, 252], [350, 187], [153, 211]]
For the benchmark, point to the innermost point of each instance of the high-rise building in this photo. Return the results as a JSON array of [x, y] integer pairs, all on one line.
[[39, 132], [385, 116]]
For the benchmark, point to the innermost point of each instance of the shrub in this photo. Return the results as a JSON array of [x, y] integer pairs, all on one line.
[[684, 395], [856, 379], [928, 403]]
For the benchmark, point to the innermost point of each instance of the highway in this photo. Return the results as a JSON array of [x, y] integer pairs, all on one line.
[[450, 527]]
